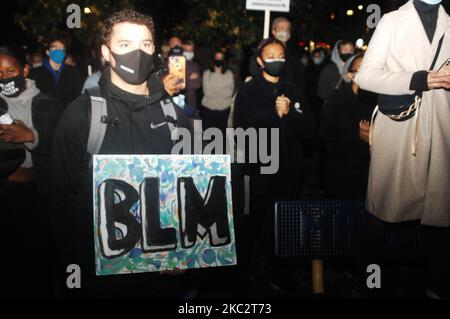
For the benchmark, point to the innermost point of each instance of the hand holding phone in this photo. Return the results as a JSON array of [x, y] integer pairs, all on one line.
[[170, 84], [445, 68], [440, 79], [177, 67]]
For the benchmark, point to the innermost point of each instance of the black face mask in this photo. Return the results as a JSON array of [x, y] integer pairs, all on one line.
[[345, 56], [218, 63], [133, 67], [274, 67], [12, 87]]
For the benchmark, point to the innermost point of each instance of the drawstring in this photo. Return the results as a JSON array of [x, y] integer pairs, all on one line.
[[374, 113], [417, 103]]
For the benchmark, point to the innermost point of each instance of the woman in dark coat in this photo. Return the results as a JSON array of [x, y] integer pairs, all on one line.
[[344, 128], [268, 101]]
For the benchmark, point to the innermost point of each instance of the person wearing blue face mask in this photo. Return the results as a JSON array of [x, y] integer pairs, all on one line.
[[54, 76], [432, 2], [410, 142]]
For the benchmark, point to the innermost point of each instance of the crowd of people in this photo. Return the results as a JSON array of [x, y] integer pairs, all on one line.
[[323, 104]]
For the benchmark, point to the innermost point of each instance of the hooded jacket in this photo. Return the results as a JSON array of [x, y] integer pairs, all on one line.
[[72, 213], [39, 112], [331, 74]]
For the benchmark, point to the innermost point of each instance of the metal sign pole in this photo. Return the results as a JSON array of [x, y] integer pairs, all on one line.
[[266, 24]]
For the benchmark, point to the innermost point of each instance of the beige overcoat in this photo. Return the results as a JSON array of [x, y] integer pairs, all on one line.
[[403, 186]]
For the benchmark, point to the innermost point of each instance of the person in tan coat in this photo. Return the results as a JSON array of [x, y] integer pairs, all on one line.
[[410, 172]]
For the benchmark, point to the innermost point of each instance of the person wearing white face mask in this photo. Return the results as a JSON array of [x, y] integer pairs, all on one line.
[[294, 71], [36, 60], [281, 29], [409, 174], [193, 74]]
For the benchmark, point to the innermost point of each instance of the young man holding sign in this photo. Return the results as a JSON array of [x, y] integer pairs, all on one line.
[[135, 124]]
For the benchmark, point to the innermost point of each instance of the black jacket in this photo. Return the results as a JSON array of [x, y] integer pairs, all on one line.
[[72, 213], [255, 108], [328, 80], [347, 157], [313, 72], [46, 111], [68, 87]]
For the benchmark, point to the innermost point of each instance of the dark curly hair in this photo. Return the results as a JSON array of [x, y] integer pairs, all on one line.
[[126, 15], [15, 52], [58, 37]]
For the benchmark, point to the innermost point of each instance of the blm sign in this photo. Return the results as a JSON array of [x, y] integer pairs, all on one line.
[[162, 212]]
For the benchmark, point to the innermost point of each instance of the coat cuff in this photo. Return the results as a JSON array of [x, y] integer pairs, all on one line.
[[32, 146], [419, 81]]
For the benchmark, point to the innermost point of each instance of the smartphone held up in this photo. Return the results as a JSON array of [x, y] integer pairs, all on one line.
[[177, 67], [445, 68]]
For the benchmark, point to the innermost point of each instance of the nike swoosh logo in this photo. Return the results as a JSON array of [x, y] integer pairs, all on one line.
[[155, 126]]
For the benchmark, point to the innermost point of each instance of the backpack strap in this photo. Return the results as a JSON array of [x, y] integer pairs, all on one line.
[[97, 129], [170, 114]]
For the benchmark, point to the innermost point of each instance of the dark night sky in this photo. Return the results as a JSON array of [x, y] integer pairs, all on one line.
[[168, 13]]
